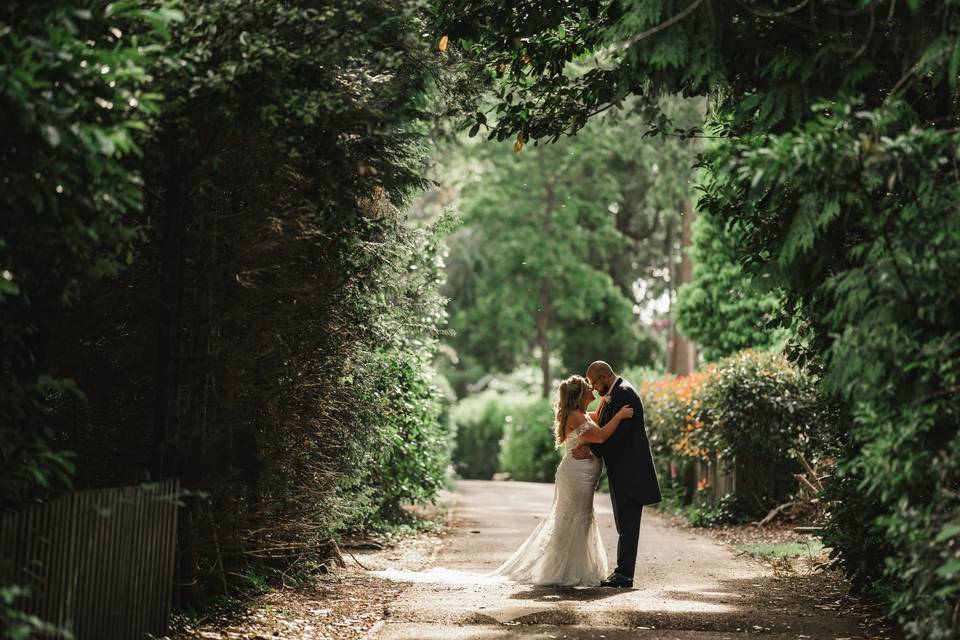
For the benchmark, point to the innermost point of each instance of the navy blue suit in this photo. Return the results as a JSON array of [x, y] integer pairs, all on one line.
[[629, 463]]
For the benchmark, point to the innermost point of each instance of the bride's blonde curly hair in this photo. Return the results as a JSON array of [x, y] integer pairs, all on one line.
[[569, 393]]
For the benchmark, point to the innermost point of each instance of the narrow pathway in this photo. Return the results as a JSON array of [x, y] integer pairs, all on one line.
[[686, 587]]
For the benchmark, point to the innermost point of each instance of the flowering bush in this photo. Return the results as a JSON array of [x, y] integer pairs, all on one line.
[[672, 409], [753, 408]]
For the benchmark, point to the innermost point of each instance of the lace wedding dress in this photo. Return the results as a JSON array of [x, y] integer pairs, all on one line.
[[564, 549]]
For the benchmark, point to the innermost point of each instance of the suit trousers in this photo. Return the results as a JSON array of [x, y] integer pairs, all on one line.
[[626, 515]]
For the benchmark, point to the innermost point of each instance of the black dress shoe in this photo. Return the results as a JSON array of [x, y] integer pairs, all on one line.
[[617, 580]]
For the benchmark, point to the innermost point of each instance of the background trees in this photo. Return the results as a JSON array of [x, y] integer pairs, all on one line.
[[571, 250], [725, 308], [534, 228]]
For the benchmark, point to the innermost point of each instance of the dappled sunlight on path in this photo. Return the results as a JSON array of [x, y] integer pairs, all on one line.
[[685, 582]]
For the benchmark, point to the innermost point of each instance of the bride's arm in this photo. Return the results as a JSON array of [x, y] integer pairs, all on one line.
[[593, 415], [600, 434]]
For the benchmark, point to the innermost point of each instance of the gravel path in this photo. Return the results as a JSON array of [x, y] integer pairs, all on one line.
[[687, 586]]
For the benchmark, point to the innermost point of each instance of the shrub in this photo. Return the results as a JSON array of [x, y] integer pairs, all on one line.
[[672, 409], [477, 423], [762, 412], [509, 432], [753, 408], [529, 451], [672, 415], [407, 465]]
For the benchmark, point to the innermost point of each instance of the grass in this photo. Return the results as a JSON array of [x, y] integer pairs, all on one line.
[[781, 549]]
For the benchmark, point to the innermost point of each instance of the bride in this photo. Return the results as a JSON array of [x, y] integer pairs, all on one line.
[[565, 548]]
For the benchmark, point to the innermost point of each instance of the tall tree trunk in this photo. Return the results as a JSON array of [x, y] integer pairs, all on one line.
[[545, 311], [682, 353], [543, 321]]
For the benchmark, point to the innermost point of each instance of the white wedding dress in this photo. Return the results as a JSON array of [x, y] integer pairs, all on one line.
[[564, 549]]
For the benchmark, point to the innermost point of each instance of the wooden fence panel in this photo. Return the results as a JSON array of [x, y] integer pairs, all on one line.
[[716, 476], [99, 563]]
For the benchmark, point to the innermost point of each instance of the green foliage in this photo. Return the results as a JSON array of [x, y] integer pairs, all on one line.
[[529, 452], [724, 310], [206, 233], [760, 411], [510, 432], [639, 375], [68, 191], [729, 510], [407, 464], [256, 583], [867, 244], [478, 424], [527, 254], [587, 218], [781, 549], [18, 625]]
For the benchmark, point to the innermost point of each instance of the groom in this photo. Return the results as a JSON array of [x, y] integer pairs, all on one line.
[[626, 454]]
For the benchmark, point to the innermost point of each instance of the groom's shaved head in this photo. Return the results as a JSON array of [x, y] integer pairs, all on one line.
[[601, 376], [599, 369]]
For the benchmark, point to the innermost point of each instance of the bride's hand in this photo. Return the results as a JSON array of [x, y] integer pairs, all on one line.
[[625, 412]]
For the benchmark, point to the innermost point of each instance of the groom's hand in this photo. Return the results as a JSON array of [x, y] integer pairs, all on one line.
[[582, 452]]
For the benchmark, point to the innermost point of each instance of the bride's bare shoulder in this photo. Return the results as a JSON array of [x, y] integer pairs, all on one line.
[[574, 420]]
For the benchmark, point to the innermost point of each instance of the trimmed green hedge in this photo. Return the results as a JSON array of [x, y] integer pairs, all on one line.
[[511, 433], [477, 425], [529, 450]]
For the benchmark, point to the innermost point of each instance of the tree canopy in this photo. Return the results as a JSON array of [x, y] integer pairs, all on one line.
[[595, 219]]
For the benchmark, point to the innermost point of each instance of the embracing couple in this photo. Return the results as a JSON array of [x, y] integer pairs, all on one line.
[[565, 548]]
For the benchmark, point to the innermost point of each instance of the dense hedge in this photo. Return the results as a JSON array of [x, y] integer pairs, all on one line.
[[68, 199], [477, 424], [206, 271], [529, 450], [504, 432]]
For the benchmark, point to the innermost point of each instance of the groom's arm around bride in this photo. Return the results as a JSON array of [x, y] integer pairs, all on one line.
[[626, 454]]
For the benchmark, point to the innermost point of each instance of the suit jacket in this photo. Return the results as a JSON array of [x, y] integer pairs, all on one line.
[[626, 453]]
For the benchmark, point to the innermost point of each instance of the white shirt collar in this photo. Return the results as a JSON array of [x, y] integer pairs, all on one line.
[[606, 396]]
